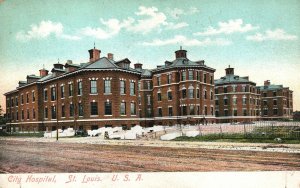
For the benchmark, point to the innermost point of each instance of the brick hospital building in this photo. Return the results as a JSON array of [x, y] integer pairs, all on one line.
[[106, 92]]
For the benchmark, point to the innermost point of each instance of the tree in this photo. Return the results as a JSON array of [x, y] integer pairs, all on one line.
[[2, 119]]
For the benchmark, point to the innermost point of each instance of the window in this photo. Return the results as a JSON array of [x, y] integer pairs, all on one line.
[[191, 93], [22, 115], [93, 88], [244, 100], [191, 75], [183, 75], [225, 112], [132, 88], [265, 94], [17, 115], [80, 109], [71, 110], [159, 112], [184, 113], [140, 100], [244, 112], [192, 110], [204, 78], [158, 80], [198, 110], [211, 95], [148, 99], [184, 93], [63, 113], [216, 91], [132, 108], [225, 101], [235, 112], [198, 93], [217, 113], [62, 92], [17, 101], [243, 88], [108, 110], [275, 111], [170, 110], [107, 87], [122, 87], [45, 113], [265, 103], [169, 95], [169, 78], [225, 89], [33, 114], [12, 102], [79, 84], [33, 96], [158, 96], [94, 108], [148, 85], [53, 94], [274, 102], [22, 99], [212, 110], [234, 88], [197, 75], [70, 90], [28, 114], [274, 93], [27, 98], [211, 79], [53, 112], [205, 94], [149, 112], [123, 108], [234, 100], [205, 110], [217, 101]]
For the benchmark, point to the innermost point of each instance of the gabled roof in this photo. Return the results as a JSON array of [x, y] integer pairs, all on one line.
[[102, 63]]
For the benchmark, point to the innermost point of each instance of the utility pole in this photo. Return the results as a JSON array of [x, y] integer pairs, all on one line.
[[56, 110]]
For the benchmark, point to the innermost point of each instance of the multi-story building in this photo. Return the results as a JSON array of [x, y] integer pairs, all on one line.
[[237, 99], [105, 92], [276, 101], [182, 92]]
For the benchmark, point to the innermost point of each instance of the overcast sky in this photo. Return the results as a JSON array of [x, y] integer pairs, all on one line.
[[260, 39]]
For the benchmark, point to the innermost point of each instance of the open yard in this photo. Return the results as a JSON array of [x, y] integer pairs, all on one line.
[[34, 156]]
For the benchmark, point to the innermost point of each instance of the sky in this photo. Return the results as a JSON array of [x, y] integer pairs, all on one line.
[[259, 38]]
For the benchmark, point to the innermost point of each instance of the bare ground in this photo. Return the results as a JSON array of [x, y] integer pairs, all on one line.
[[17, 156]]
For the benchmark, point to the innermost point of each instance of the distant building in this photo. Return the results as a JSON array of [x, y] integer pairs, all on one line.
[[236, 98], [296, 116], [276, 101]]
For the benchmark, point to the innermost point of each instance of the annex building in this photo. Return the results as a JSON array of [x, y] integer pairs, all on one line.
[[108, 92]]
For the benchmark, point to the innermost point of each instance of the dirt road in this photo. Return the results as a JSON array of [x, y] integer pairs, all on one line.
[[38, 157]]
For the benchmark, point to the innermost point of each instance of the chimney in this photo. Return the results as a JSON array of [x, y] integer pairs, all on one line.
[[267, 82], [94, 54], [229, 71], [43, 72], [180, 53], [110, 56], [138, 66]]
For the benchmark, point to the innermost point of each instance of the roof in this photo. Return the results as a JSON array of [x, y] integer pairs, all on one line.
[[146, 73], [33, 76], [230, 79], [270, 87], [102, 63], [182, 62]]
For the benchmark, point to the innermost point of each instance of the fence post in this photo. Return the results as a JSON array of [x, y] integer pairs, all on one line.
[[244, 130]]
